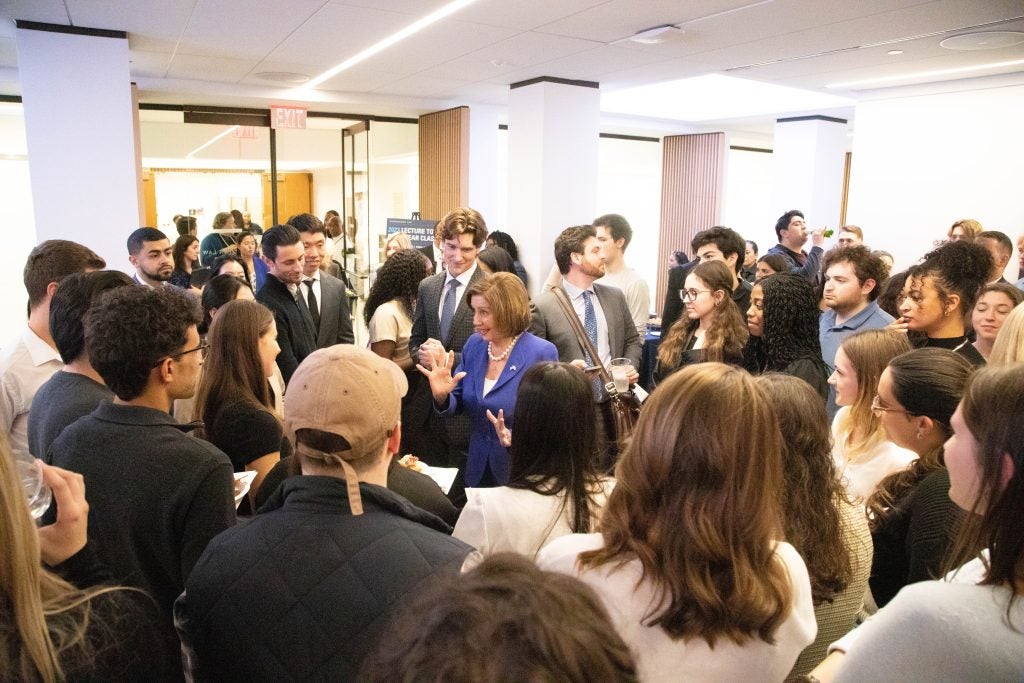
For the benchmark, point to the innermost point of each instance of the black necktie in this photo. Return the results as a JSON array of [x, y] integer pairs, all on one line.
[[314, 312]]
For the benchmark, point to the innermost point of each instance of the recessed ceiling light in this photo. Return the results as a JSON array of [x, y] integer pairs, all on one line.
[[926, 74], [984, 40], [894, 52], [656, 34], [282, 76]]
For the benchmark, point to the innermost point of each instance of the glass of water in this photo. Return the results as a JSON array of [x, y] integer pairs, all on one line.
[[37, 493], [620, 370]]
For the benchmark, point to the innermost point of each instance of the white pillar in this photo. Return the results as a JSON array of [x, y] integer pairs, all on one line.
[[808, 158], [483, 162], [553, 127], [76, 92]]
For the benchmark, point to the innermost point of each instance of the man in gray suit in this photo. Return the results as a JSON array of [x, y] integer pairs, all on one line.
[[324, 294], [443, 323], [602, 311]]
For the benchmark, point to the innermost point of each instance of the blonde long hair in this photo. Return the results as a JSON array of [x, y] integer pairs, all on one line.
[[869, 352], [1009, 345], [41, 615], [700, 514]]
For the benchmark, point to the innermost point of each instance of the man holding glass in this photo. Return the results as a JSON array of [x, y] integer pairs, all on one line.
[[602, 312]]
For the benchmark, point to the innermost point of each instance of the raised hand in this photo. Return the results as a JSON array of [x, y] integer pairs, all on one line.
[[503, 432], [440, 374]]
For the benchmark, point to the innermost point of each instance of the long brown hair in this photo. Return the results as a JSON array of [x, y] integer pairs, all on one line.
[[925, 382], [811, 490], [869, 352], [728, 331], [42, 617], [233, 372], [992, 407], [696, 505]]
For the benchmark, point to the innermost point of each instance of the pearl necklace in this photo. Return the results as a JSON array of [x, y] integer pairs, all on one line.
[[508, 350]]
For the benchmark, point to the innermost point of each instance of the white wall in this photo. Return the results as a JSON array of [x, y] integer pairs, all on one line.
[[629, 183], [747, 207], [922, 162]]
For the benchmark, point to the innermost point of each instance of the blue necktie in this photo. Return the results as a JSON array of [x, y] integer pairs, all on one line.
[[448, 309], [590, 326]]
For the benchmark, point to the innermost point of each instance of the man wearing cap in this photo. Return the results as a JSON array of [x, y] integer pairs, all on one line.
[[305, 589]]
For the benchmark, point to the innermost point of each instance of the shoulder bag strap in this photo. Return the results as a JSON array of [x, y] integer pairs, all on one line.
[[581, 335]]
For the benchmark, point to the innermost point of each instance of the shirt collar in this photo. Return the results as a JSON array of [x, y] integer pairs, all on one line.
[[108, 411], [314, 276], [39, 351], [855, 321], [573, 291], [464, 278]]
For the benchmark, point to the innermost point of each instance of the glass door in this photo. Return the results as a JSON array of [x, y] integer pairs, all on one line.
[[357, 235]]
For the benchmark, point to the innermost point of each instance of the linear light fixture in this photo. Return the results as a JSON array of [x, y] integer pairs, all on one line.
[[212, 140], [926, 74], [415, 27]]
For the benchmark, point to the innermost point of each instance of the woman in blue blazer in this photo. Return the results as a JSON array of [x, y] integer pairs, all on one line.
[[494, 359]]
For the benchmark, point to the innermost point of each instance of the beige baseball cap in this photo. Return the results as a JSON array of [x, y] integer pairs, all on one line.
[[348, 391]]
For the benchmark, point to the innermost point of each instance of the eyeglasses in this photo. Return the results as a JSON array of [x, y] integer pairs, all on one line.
[[877, 408], [201, 347], [692, 294]]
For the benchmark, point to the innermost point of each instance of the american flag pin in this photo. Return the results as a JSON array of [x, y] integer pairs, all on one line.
[[513, 368]]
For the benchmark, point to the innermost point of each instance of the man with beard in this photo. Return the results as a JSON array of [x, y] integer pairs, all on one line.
[[150, 253], [602, 312], [296, 333]]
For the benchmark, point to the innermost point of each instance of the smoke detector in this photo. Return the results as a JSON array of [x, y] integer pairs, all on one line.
[[657, 34]]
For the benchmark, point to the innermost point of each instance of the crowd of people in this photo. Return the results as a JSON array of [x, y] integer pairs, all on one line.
[[200, 476]]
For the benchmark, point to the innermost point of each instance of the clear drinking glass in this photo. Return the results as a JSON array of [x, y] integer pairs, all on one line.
[[37, 493], [620, 369]]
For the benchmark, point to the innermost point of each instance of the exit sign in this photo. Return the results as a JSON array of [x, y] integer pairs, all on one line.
[[287, 117]]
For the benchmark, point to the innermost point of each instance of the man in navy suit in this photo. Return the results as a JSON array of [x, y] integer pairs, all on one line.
[[443, 323]]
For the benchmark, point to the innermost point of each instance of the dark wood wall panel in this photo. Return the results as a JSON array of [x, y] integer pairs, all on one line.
[[692, 176], [444, 162]]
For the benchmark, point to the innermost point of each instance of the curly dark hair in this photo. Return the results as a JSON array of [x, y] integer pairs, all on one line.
[[131, 329], [790, 327], [866, 265], [505, 241], [70, 303], [812, 492], [398, 278], [726, 240], [890, 291], [960, 268]]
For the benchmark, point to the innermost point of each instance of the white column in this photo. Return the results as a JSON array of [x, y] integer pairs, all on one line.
[[76, 92], [553, 127], [483, 163], [808, 160]]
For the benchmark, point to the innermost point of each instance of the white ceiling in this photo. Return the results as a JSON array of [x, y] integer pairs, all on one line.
[[209, 51]]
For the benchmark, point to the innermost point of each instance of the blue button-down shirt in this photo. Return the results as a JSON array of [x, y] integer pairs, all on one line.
[[831, 336]]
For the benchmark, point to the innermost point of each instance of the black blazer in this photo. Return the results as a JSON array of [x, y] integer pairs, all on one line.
[[295, 332], [335, 318]]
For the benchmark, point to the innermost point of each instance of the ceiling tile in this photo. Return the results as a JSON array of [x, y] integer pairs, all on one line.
[[419, 86], [216, 69], [437, 44], [359, 79], [154, 30], [496, 61], [148, 64], [246, 29], [336, 32], [46, 11]]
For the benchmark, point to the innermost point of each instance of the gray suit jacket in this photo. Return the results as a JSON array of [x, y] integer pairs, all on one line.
[[549, 322], [335, 319], [426, 324]]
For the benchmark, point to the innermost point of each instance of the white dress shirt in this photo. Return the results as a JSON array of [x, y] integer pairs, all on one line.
[[25, 364], [316, 290], [604, 347], [460, 291]]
